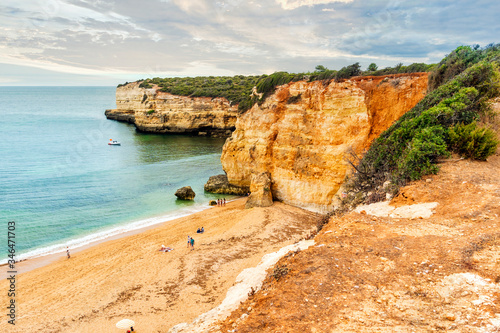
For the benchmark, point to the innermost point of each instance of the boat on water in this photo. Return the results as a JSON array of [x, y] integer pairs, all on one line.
[[113, 142]]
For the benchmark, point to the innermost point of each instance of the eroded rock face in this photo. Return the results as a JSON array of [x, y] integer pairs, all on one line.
[[302, 134], [158, 112], [220, 185], [260, 191], [185, 193]]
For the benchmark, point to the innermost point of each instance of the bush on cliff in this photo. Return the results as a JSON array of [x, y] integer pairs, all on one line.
[[349, 71], [472, 141], [432, 129], [460, 59], [400, 69], [145, 85]]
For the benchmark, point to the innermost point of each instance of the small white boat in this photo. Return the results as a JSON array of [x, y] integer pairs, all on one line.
[[113, 143]]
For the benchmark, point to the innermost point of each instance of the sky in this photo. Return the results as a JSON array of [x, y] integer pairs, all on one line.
[[106, 42]]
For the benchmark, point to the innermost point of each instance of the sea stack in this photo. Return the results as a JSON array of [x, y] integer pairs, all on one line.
[[185, 193], [260, 189]]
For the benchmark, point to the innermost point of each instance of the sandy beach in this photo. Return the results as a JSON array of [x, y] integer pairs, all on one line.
[[129, 278]]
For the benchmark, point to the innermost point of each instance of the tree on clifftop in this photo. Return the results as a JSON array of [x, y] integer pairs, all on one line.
[[372, 67], [349, 71], [321, 68]]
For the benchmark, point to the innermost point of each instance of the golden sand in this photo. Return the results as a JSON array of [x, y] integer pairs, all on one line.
[[130, 278]]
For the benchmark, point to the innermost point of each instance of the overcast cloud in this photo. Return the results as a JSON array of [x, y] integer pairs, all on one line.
[[108, 42]]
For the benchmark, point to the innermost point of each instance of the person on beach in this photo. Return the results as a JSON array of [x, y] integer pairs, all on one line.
[[165, 249], [192, 243], [189, 241], [67, 252], [224, 201]]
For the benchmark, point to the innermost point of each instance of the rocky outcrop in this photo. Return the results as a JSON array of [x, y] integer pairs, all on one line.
[[220, 185], [126, 116], [185, 193], [302, 133], [152, 110], [260, 189]]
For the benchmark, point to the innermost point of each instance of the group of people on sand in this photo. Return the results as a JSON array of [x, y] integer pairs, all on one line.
[[190, 242], [221, 202]]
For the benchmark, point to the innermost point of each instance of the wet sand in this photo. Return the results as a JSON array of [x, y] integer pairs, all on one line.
[[129, 278]]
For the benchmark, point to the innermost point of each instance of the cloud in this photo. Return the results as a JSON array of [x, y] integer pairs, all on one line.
[[294, 4], [206, 37]]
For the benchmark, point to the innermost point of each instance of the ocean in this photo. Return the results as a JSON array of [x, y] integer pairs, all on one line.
[[63, 185]]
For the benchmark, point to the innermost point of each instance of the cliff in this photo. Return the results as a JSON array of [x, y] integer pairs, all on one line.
[[154, 111], [377, 270], [303, 132]]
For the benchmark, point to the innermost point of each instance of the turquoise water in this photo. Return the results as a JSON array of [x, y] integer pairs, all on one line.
[[64, 186]]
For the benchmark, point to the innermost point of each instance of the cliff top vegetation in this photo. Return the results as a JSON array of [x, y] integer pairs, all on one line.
[[238, 89]]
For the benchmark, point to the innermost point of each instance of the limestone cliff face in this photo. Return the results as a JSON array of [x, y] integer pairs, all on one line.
[[158, 112], [301, 134]]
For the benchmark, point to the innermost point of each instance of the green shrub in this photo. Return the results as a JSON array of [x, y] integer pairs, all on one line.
[[460, 59], [145, 85], [268, 84], [472, 141], [423, 149], [399, 69], [349, 71], [151, 111]]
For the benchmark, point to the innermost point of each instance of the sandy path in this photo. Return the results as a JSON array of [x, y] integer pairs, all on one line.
[[130, 278]]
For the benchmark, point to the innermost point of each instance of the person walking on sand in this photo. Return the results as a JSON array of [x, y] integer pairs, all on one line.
[[67, 252], [189, 241], [192, 243], [224, 201]]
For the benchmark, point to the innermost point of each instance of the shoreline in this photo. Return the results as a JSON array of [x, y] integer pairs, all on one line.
[[31, 263], [128, 277]]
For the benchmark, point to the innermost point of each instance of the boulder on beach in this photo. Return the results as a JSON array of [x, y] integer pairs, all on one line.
[[220, 185], [185, 193]]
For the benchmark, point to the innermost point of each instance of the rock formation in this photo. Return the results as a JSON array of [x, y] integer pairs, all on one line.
[[185, 193], [260, 189], [220, 185], [152, 110], [302, 133]]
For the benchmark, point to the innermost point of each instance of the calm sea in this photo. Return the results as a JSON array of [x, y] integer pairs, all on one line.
[[63, 185]]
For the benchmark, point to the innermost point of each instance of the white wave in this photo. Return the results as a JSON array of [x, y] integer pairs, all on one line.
[[104, 234]]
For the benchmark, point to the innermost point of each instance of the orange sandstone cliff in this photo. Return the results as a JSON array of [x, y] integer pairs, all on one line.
[[152, 110], [301, 134]]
